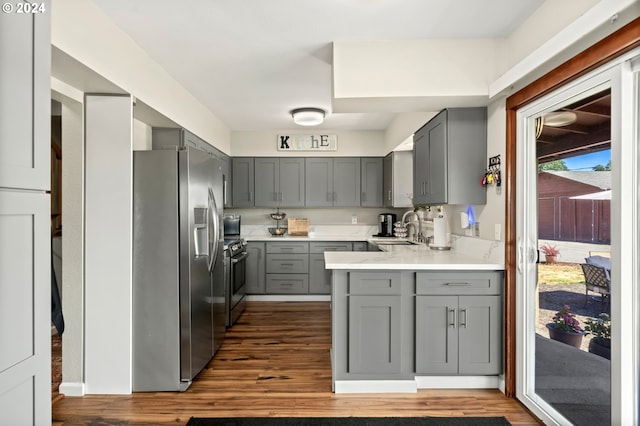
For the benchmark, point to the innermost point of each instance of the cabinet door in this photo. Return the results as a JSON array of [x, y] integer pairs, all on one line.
[[267, 182], [374, 334], [192, 141], [436, 335], [420, 166], [319, 277], [319, 182], [360, 246], [436, 173], [371, 182], [480, 335], [227, 190], [292, 180], [255, 272], [387, 180], [346, 181], [242, 182]]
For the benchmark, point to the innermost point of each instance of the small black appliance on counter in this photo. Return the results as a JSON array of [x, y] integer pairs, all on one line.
[[386, 221]]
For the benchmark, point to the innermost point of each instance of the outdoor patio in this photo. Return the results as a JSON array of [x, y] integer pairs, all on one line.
[[575, 382]]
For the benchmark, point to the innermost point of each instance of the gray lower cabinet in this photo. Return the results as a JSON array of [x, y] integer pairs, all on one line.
[[287, 267], [458, 323], [292, 267], [360, 246], [255, 272], [319, 277], [402, 324], [458, 335], [375, 322]]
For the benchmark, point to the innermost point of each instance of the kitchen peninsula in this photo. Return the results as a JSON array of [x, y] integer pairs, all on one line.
[[411, 317]]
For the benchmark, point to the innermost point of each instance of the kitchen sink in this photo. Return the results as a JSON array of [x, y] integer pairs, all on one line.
[[391, 242]]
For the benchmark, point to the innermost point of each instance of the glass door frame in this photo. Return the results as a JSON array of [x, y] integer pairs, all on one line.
[[620, 77]]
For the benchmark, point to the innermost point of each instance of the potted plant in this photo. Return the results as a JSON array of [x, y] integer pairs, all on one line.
[[600, 328], [565, 327], [550, 252]]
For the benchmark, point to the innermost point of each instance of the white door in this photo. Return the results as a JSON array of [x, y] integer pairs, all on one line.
[[25, 245], [622, 81]]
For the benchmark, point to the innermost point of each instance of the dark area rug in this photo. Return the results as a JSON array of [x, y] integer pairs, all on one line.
[[350, 421]]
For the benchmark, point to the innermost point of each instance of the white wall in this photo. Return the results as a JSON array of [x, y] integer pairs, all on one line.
[[350, 143], [141, 136], [417, 68], [84, 31], [108, 240], [403, 126], [547, 21]]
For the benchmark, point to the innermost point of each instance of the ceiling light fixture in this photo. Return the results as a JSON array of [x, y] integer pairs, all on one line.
[[308, 116], [560, 118]]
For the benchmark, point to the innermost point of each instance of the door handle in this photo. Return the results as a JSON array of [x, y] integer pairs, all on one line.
[[452, 313], [463, 323]]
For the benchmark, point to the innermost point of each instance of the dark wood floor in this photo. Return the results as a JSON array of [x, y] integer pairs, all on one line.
[[275, 362]]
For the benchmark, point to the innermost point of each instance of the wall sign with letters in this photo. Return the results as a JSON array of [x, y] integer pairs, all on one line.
[[307, 142]]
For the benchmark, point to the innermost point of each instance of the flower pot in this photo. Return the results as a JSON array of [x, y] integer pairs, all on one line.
[[550, 258], [598, 347], [569, 337]]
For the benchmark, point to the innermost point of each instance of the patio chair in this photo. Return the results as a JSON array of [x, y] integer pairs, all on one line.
[[596, 279]]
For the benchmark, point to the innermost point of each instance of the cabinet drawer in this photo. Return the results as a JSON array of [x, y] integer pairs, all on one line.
[[288, 247], [287, 263], [375, 283], [322, 246], [459, 282], [288, 283]]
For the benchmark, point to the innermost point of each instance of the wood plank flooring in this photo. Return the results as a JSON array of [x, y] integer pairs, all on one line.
[[275, 362]]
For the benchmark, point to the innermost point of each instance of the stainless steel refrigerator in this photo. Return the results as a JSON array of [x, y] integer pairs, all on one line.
[[178, 287]]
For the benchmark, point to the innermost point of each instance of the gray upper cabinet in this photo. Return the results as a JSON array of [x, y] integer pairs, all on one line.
[[449, 156], [225, 164], [398, 179], [371, 177], [279, 182], [332, 182], [346, 181], [243, 180], [319, 182]]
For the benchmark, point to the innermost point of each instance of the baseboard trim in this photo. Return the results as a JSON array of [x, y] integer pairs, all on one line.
[[458, 382], [375, 386], [288, 298], [72, 389]]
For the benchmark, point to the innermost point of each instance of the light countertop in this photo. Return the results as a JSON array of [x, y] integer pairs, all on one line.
[[466, 254], [419, 257]]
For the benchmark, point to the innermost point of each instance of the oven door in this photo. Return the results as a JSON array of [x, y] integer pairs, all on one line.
[[238, 278]]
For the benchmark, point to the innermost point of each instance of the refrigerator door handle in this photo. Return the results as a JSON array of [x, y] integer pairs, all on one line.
[[214, 229]]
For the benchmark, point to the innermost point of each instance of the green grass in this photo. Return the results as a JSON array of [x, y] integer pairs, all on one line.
[[560, 273]]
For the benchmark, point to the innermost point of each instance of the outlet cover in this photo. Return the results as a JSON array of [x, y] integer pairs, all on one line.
[[354, 220], [476, 229]]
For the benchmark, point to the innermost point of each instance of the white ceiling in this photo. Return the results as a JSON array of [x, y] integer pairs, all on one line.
[[252, 61]]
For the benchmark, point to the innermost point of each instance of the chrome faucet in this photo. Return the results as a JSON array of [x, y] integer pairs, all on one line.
[[420, 237]]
